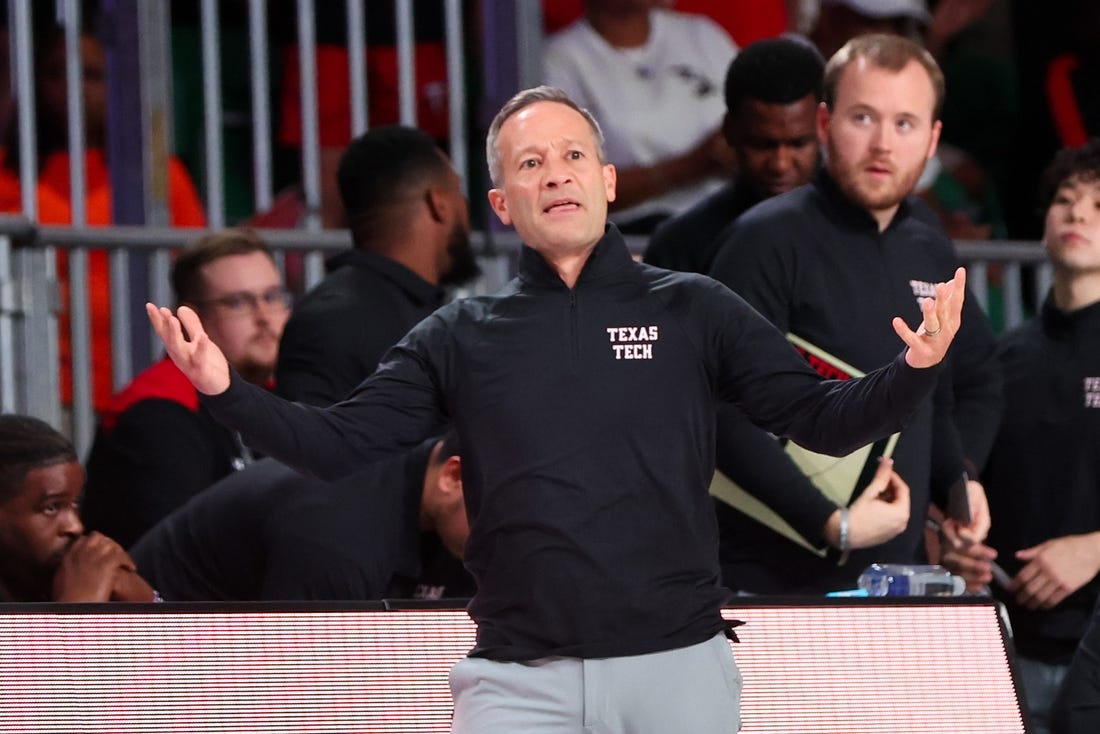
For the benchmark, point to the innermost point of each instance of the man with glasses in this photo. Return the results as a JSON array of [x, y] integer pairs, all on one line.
[[155, 446]]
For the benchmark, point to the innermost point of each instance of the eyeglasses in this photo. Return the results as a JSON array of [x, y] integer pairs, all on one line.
[[240, 303]]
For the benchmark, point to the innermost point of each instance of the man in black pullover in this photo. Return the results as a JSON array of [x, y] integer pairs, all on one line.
[[828, 263], [1043, 474], [772, 90], [404, 206], [584, 395]]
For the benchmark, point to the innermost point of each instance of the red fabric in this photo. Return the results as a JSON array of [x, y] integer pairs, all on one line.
[[334, 100], [162, 381], [556, 14], [54, 208], [745, 20], [1063, 102]]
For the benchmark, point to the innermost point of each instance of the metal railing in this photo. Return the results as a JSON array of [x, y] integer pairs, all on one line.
[[29, 301]]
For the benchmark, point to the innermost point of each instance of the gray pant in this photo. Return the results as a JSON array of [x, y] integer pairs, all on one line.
[[692, 689], [1041, 682]]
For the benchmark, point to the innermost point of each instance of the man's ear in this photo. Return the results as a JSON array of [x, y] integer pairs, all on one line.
[[437, 203], [610, 181], [499, 205], [450, 478], [937, 127]]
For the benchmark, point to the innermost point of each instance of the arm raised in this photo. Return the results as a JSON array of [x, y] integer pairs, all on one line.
[[197, 357]]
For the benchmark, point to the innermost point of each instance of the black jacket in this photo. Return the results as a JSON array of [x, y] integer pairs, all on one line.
[[1043, 477], [586, 417], [689, 240], [269, 533], [155, 448], [344, 325], [815, 265]]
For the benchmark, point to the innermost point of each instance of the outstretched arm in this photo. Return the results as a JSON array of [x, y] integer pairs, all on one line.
[[394, 409]]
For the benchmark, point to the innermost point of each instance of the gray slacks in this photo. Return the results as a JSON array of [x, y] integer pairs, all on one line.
[[692, 689]]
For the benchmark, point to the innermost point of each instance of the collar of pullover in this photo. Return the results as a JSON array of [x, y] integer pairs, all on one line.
[[418, 289], [850, 213], [610, 256], [1057, 322]]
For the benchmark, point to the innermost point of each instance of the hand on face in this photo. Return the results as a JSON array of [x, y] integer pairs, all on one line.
[[88, 569]]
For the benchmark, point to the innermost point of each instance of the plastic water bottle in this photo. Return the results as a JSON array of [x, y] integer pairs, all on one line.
[[900, 579]]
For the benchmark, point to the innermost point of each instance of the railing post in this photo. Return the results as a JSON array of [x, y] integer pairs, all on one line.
[[36, 304], [139, 130], [8, 312]]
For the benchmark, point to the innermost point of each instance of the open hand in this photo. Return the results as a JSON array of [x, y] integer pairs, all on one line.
[[942, 317], [198, 358], [1055, 569]]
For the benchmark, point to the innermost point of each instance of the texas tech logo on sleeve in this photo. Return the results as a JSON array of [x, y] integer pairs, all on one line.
[[632, 342]]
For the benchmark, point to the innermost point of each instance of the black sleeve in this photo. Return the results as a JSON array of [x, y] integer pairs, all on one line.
[[948, 460], [765, 376], [396, 408], [298, 569], [158, 456], [752, 457], [756, 462]]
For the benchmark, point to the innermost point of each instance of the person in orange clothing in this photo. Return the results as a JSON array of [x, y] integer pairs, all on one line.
[[53, 190]]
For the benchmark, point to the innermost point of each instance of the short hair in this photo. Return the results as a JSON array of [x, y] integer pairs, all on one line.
[[526, 98], [1082, 163], [187, 281], [381, 168], [27, 443], [885, 51], [774, 71]]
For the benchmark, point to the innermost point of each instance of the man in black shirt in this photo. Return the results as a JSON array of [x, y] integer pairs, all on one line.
[[584, 394], [827, 263], [408, 218], [392, 530], [1043, 474], [773, 87], [155, 446], [45, 554]]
